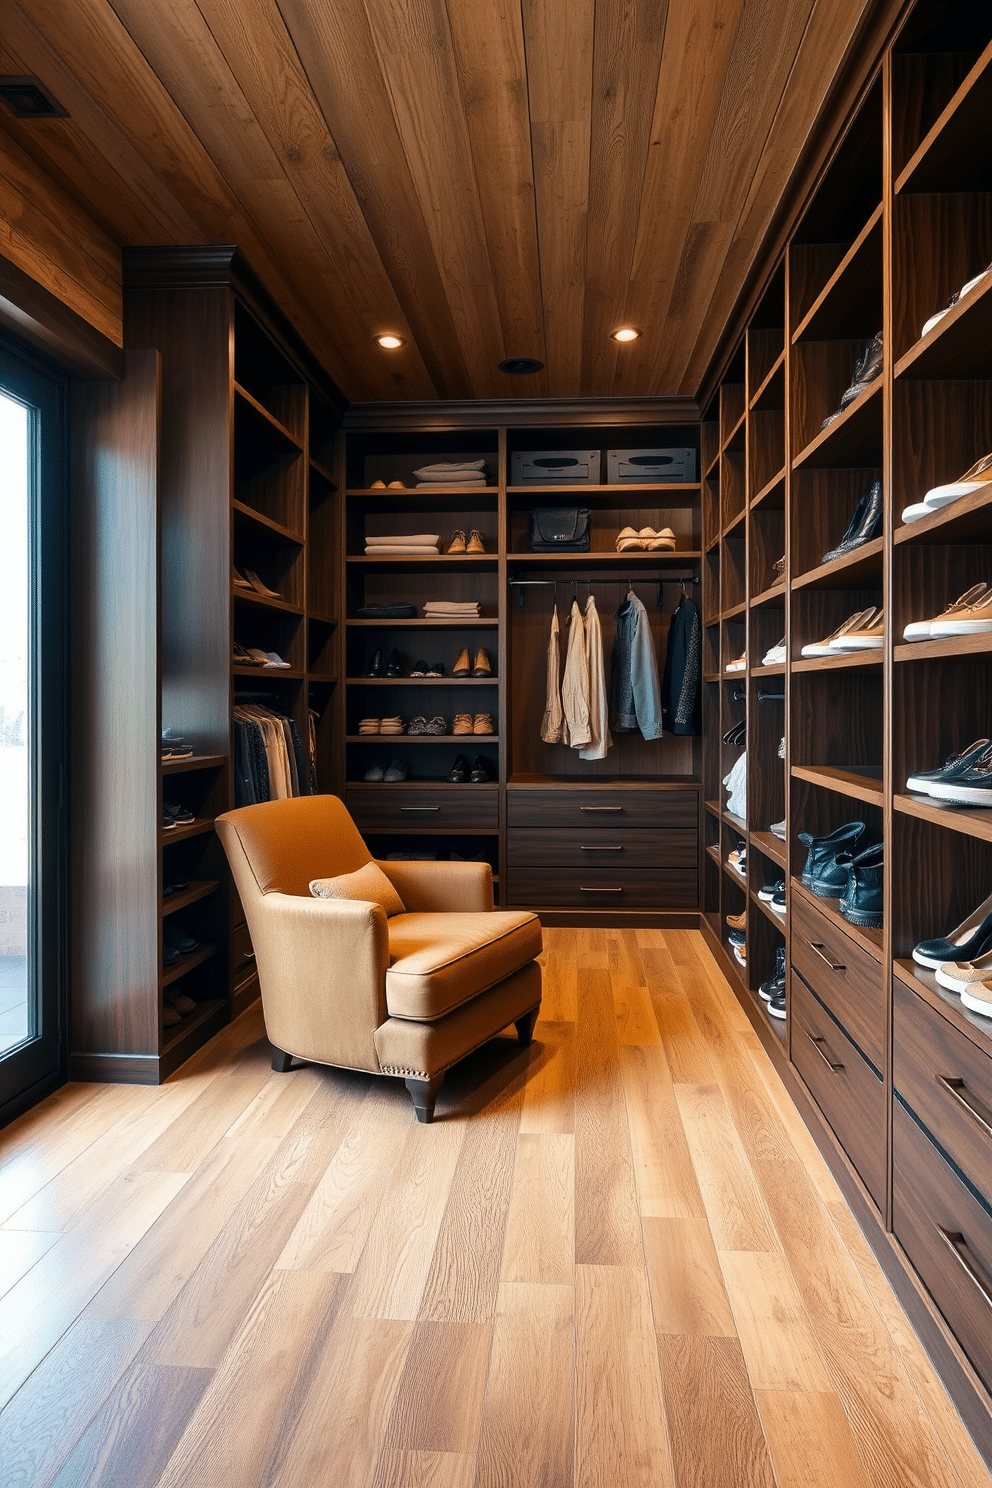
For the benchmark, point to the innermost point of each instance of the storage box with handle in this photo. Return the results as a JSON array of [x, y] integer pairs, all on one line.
[[645, 466], [554, 467]]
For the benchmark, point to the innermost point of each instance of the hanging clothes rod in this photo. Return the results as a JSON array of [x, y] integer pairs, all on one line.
[[629, 583]]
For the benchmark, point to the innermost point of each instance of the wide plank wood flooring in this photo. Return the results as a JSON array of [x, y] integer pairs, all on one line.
[[616, 1260]]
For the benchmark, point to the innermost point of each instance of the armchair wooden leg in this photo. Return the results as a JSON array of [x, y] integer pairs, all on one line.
[[525, 1026], [280, 1062], [424, 1094]]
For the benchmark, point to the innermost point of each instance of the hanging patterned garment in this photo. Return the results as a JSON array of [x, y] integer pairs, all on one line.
[[551, 724], [600, 738], [575, 684]]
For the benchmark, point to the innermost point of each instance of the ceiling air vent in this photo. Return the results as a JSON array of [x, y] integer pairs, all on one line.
[[27, 98], [521, 366]]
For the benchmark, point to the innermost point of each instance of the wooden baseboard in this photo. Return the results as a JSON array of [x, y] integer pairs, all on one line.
[[619, 919], [115, 1069]]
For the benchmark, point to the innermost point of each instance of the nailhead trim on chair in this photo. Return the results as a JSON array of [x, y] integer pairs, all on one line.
[[420, 1075], [388, 1069]]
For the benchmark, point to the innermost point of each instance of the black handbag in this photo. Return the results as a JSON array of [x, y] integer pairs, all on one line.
[[560, 529]]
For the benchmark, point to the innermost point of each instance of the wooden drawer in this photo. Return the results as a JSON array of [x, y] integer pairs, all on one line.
[[576, 847], [441, 808], [946, 1234], [606, 809], [947, 1080], [603, 888], [846, 1088], [242, 954], [842, 974]]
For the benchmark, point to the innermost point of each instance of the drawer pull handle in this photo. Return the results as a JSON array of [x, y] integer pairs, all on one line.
[[599, 891], [958, 1246], [600, 808], [817, 946], [248, 955], [420, 808], [957, 1090], [827, 1058], [605, 848]]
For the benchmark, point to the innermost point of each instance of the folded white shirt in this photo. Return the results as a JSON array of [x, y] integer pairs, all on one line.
[[424, 549]]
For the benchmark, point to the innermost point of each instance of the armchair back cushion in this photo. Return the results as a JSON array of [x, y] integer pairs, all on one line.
[[290, 842]]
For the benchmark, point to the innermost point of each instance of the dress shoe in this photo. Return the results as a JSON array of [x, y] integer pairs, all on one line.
[[972, 938], [459, 771], [476, 542], [861, 901], [463, 666], [394, 667], [376, 666], [866, 524], [867, 370], [922, 780], [436, 669], [822, 850], [921, 630], [738, 921], [775, 984], [397, 770], [480, 772], [968, 783], [457, 543], [259, 587], [482, 666]]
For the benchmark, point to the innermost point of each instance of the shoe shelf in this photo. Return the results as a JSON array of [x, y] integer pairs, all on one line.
[[481, 622], [422, 681], [772, 494], [454, 497], [770, 394], [945, 158], [193, 762], [770, 846], [616, 495], [971, 821], [269, 674], [243, 513], [191, 895], [735, 440], [861, 568], [714, 852], [856, 784], [735, 524], [868, 938], [844, 661], [972, 645], [242, 596], [957, 347], [186, 963], [318, 468], [186, 829], [396, 562], [323, 679], [737, 822], [852, 439], [967, 518], [321, 618], [735, 611], [768, 596], [775, 669], [924, 983], [248, 405], [713, 807], [779, 921], [382, 739], [851, 298], [194, 1029]]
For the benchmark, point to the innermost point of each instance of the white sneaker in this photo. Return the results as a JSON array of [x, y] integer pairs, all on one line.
[[922, 630], [826, 647], [975, 620], [965, 289], [775, 655], [974, 479], [870, 637]]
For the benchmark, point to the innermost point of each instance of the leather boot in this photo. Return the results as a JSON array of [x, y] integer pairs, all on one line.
[[821, 851], [865, 525], [861, 902]]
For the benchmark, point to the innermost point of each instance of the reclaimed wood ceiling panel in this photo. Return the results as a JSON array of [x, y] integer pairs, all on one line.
[[485, 177]]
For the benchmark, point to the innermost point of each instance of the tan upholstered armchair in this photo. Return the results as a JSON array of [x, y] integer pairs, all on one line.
[[343, 984]]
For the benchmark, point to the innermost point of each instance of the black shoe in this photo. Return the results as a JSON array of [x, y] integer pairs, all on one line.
[[865, 525], [778, 901], [394, 667], [973, 937], [400, 611], [737, 937], [777, 1006], [921, 781], [868, 369], [968, 783], [436, 669], [420, 669], [480, 771], [458, 773], [375, 666], [177, 940], [861, 902], [775, 985], [822, 850], [170, 955], [770, 890]]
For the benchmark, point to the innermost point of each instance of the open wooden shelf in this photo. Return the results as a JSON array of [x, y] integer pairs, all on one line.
[[958, 521], [264, 524], [942, 160], [923, 981], [844, 661], [957, 346], [186, 964], [851, 299], [971, 821], [774, 597], [186, 829], [772, 494], [779, 921], [422, 681], [853, 439], [265, 418], [250, 596], [770, 846], [193, 762], [196, 891], [860, 569], [770, 394], [852, 783], [943, 646], [479, 741]]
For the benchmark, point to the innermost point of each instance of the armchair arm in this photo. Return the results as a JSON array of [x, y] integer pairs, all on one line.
[[322, 974], [429, 887]]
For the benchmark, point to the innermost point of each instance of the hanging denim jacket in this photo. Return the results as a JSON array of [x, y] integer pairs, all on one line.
[[635, 695]]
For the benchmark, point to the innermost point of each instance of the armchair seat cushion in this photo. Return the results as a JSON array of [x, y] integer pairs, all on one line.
[[439, 961]]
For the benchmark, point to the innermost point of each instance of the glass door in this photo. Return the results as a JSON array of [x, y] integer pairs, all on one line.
[[32, 687]]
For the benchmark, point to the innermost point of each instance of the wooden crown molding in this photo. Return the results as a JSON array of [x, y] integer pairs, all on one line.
[[521, 412]]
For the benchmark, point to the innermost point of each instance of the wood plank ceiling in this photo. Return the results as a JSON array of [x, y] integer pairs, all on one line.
[[485, 177]]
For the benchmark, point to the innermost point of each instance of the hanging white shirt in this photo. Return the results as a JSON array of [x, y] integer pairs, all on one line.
[[575, 684], [551, 724], [600, 738]]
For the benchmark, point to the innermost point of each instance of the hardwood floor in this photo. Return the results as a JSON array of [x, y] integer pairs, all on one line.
[[616, 1259]]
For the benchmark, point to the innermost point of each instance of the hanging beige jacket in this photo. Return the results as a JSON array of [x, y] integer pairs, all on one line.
[[552, 721], [600, 738], [575, 684]]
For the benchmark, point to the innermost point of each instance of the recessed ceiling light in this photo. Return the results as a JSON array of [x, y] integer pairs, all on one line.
[[625, 333], [28, 98], [520, 366], [389, 342]]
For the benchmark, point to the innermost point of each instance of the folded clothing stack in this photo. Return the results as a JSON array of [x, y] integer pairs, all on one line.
[[419, 542], [453, 473], [451, 609]]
